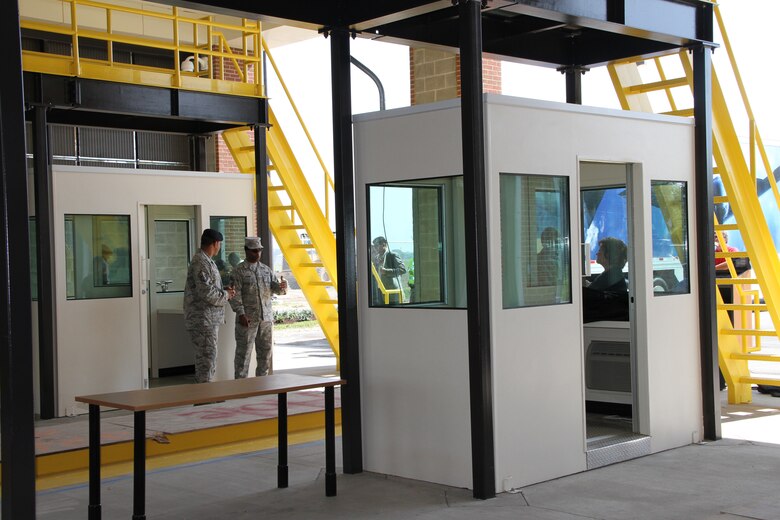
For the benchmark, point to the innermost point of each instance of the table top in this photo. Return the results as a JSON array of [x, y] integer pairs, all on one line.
[[180, 395]]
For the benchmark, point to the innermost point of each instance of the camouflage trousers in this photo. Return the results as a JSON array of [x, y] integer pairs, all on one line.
[[204, 342], [259, 334]]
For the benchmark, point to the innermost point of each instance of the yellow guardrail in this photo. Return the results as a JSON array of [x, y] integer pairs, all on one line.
[[386, 293], [202, 39]]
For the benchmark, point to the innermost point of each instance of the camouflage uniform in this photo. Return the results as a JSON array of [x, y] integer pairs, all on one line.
[[254, 284], [204, 312]]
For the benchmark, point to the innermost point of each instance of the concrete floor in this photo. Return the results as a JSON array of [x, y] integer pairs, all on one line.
[[724, 479]]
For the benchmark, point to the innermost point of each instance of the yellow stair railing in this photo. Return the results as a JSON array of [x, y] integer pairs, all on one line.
[[737, 346], [297, 219], [181, 35], [386, 293]]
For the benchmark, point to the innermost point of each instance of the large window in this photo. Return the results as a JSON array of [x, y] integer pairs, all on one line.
[[670, 237], [232, 251], [97, 256], [535, 250], [417, 251]]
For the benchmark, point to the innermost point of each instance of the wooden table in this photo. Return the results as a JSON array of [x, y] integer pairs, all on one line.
[[139, 401]]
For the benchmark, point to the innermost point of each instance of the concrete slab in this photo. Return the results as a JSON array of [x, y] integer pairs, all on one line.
[[724, 479]]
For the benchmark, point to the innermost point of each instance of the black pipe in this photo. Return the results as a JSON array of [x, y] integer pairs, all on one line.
[[374, 77]]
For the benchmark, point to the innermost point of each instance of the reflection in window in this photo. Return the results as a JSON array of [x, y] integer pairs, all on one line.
[[670, 237], [535, 256], [97, 256], [417, 252], [232, 251]]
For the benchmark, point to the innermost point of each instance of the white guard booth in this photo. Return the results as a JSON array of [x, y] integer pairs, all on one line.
[[117, 326], [543, 160]]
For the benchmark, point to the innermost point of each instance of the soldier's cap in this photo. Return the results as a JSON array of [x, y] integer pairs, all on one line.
[[253, 243], [212, 235], [380, 240]]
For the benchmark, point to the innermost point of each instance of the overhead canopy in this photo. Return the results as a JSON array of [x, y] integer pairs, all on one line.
[[548, 32]]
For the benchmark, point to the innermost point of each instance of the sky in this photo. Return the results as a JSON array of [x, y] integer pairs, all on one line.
[[750, 24]]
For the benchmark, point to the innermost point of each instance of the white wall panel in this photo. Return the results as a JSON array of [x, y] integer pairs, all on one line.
[[101, 343]]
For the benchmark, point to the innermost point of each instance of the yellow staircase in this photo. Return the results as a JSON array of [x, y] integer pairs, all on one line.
[[664, 85], [294, 213]]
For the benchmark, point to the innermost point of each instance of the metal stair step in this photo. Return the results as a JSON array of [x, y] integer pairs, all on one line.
[[760, 381], [321, 283], [747, 332], [683, 112], [276, 188], [755, 357], [301, 246], [280, 208], [743, 307], [731, 254], [736, 281], [311, 264], [329, 300], [720, 199], [643, 88], [292, 226], [727, 227]]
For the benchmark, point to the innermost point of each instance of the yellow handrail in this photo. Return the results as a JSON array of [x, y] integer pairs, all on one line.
[[328, 178], [111, 70], [385, 292]]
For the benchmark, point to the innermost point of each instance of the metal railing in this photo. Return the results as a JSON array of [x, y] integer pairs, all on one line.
[[182, 36]]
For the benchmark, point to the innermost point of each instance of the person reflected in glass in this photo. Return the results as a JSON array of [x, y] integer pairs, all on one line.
[[102, 267], [389, 267], [547, 258]]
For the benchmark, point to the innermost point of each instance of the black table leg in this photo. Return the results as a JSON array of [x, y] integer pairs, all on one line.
[[139, 465], [94, 509], [330, 444], [281, 469]]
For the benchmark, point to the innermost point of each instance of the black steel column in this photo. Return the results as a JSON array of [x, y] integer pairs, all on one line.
[[261, 189], [573, 75], [44, 220], [351, 432], [281, 417], [17, 448], [477, 281], [702, 111]]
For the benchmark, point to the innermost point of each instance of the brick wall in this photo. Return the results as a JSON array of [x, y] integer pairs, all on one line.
[[224, 159], [435, 75]]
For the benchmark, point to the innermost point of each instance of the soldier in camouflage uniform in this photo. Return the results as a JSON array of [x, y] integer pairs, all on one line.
[[204, 305], [254, 282]]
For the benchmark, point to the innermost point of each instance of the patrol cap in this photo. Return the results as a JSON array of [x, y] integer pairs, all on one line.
[[210, 236], [253, 243], [380, 240]]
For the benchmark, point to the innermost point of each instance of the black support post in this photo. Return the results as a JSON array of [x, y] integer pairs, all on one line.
[[702, 111], [94, 511], [261, 189], [44, 220], [330, 443], [573, 75], [351, 432], [139, 465], [17, 448], [477, 281]]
